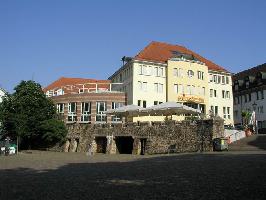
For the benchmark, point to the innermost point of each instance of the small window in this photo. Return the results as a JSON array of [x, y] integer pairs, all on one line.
[[190, 73], [175, 72], [227, 80], [176, 88], [214, 93], [139, 102], [144, 104], [211, 92], [224, 112]]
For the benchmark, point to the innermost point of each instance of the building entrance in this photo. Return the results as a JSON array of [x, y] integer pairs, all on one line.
[[124, 144], [101, 143]]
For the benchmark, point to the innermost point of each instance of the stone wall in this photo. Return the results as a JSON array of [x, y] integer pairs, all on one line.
[[186, 136]]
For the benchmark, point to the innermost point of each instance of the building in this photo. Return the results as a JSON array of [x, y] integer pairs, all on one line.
[[85, 100], [249, 88], [2, 93], [164, 72]]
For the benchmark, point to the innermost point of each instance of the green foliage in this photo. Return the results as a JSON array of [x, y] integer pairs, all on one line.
[[53, 130], [24, 112], [246, 117]]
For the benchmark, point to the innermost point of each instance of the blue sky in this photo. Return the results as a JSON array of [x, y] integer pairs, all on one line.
[[46, 39]]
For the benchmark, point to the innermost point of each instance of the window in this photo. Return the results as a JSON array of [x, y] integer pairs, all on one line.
[[100, 108], [181, 89], [188, 89], [114, 106], [158, 87], [203, 91], [49, 93], [176, 88], [180, 72], [143, 70], [227, 94], [236, 113], [260, 109], [144, 104], [210, 78], [150, 71], [215, 79], [227, 80], [219, 79], [60, 108], [212, 109], [224, 112], [158, 71], [235, 101], [216, 110], [249, 97], [72, 112], [214, 93], [223, 80], [140, 70], [139, 102], [245, 97], [161, 71], [211, 92], [59, 92], [175, 72], [85, 112], [200, 75], [190, 73], [193, 91], [81, 90], [228, 113], [262, 95], [155, 103], [142, 86], [223, 94]]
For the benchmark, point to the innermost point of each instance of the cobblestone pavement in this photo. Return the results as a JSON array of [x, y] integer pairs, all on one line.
[[50, 175]]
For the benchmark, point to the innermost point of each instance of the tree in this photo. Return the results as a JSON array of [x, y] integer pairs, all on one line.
[[246, 117], [53, 130], [24, 112]]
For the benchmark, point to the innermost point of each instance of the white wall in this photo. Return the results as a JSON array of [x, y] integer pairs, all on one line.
[[219, 101], [247, 106], [150, 95]]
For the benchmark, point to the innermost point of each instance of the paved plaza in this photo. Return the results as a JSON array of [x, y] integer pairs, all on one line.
[[50, 175]]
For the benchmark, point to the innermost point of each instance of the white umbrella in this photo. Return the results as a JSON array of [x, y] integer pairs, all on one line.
[[128, 110], [170, 108]]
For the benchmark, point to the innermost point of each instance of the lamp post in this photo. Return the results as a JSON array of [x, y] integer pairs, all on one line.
[[254, 105]]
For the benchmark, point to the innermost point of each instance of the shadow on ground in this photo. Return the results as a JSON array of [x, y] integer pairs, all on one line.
[[259, 142], [193, 176]]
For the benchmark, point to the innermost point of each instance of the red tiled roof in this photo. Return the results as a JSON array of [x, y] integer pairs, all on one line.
[[162, 52], [63, 81]]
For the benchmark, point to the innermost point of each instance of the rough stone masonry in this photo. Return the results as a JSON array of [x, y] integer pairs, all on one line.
[[145, 137]]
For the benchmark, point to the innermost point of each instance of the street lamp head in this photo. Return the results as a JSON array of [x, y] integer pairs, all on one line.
[[254, 106]]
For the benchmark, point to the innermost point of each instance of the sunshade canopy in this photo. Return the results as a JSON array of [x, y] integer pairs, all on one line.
[[170, 108], [128, 110]]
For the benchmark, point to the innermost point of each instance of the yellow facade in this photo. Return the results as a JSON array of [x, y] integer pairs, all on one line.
[[187, 82], [181, 80]]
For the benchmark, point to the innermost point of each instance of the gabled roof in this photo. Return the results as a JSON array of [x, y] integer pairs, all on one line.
[[162, 52], [250, 72], [63, 81]]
